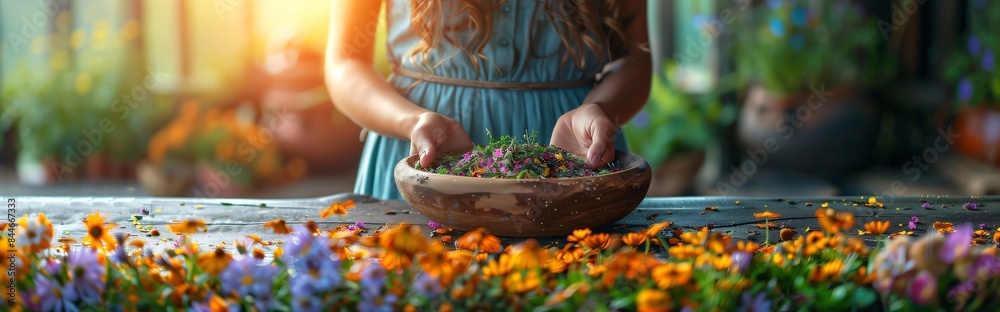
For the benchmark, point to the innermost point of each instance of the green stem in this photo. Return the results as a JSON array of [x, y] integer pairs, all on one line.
[[647, 246], [767, 231]]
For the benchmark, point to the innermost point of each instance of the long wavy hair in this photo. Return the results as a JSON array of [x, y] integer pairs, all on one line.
[[584, 26]]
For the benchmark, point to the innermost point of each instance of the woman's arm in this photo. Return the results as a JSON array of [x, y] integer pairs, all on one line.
[[590, 129], [359, 92]]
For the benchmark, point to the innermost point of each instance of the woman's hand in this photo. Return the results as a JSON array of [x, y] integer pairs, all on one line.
[[586, 130], [434, 133]]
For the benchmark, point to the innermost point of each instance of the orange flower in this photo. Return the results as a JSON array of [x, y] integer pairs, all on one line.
[[337, 208], [578, 235], [405, 239], [829, 271], [213, 262], [137, 243], [876, 227], [684, 252], [863, 277], [696, 238], [747, 246], [570, 254], [189, 226], [279, 226], [479, 240], [655, 229], [33, 233], [944, 227], [767, 215], [528, 255], [996, 237], [671, 274], [634, 239], [832, 221], [596, 241], [498, 267], [98, 233], [652, 300], [393, 260]]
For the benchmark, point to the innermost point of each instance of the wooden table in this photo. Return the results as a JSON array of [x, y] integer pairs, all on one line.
[[229, 219]]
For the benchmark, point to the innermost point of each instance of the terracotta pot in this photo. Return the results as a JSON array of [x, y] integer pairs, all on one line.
[[525, 207], [823, 133], [96, 167], [979, 130], [169, 180], [675, 175]]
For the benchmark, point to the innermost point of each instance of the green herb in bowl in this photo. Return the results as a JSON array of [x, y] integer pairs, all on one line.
[[506, 158]]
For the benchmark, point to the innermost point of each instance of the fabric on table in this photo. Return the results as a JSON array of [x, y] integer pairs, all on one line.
[[524, 48]]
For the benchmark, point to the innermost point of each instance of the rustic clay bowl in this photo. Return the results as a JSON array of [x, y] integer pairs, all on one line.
[[525, 207]]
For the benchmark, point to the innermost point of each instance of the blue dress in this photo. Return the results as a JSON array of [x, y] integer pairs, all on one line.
[[524, 48]]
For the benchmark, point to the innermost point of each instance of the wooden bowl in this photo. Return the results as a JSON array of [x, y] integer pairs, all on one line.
[[525, 207]]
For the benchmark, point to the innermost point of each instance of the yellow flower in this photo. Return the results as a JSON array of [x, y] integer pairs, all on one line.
[[570, 254], [279, 226], [98, 233], [829, 271], [684, 252], [337, 208], [652, 300], [528, 255], [523, 281], [189, 226], [479, 240], [634, 239], [747, 246], [671, 274], [213, 262], [876, 227], [33, 233]]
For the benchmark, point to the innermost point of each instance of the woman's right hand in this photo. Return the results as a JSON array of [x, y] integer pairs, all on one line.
[[433, 134]]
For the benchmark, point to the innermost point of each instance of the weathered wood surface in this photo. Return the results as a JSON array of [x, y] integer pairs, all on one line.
[[238, 217]]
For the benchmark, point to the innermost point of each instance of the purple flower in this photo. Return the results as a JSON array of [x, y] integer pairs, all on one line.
[[377, 304], [302, 244], [777, 27], [988, 60], [923, 288], [310, 284], [86, 275], [51, 296], [373, 277], [799, 16], [641, 119], [352, 228], [983, 268], [427, 286], [434, 225], [360, 224], [144, 211], [896, 263], [974, 45], [982, 226], [754, 303], [248, 277], [970, 206], [741, 261], [926, 205], [498, 153], [965, 89], [956, 244], [914, 219], [912, 225], [962, 290]]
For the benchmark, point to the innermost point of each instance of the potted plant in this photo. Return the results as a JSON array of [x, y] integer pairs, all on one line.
[[218, 152], [673, 130], [805, 67], [973, 71]]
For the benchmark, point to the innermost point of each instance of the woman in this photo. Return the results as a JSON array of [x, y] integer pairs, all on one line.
[[465, 67]]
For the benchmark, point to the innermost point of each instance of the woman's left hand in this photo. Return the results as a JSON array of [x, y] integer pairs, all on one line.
[[587, 131]]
